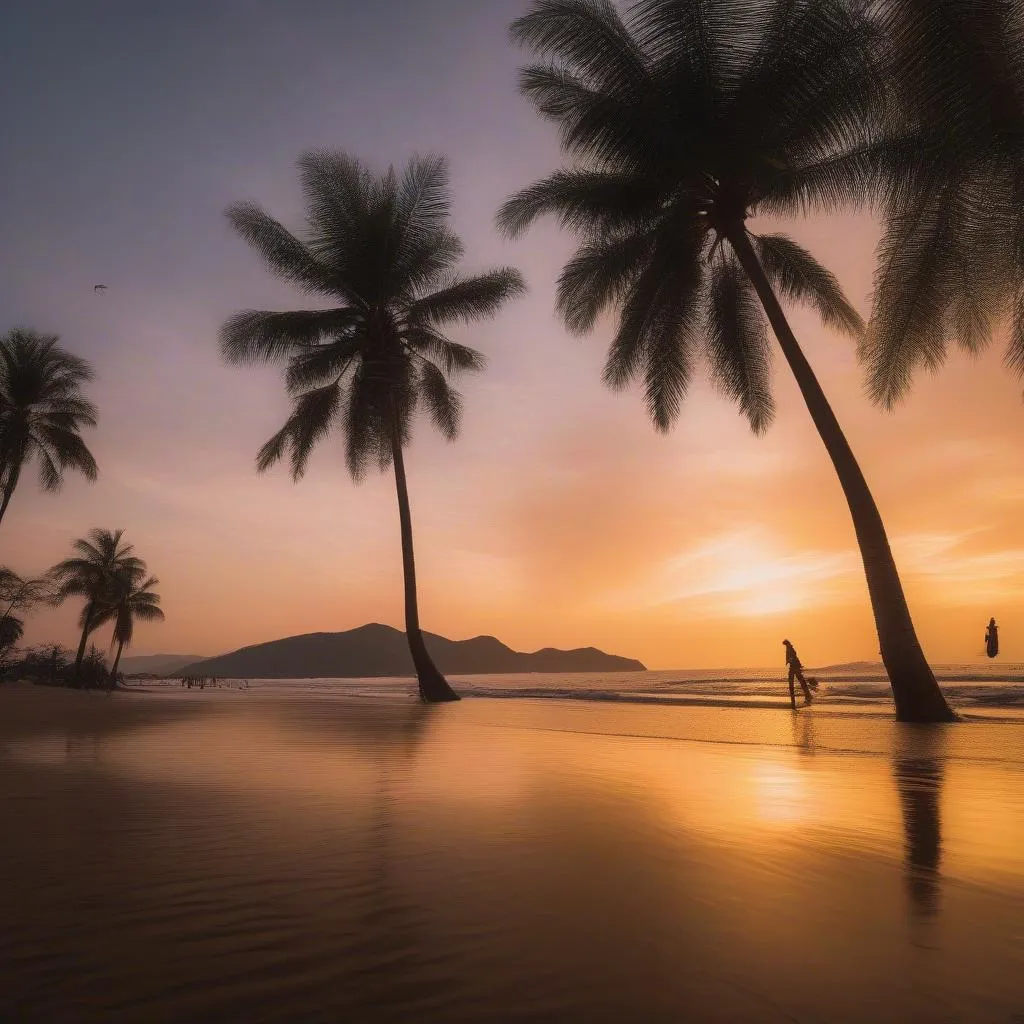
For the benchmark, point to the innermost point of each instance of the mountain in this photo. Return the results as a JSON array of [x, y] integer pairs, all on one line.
[[157, 664], [377, 650]]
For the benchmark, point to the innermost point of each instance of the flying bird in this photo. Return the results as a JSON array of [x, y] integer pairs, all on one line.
[[99, 287]]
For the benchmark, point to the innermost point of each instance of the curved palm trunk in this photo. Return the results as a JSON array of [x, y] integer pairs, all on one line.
[[117, 661], [86, 630], [434, 688], [914, 689]]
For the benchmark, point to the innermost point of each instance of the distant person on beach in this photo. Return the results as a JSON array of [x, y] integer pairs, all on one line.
[[796, 671], [992, 639]]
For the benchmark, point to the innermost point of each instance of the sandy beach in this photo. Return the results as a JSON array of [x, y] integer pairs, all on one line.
[[231, 856]]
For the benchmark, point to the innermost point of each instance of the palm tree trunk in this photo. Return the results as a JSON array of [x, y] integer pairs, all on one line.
[[117, 661], [434, 688], [8, 491], [914, 689], [86, 630]]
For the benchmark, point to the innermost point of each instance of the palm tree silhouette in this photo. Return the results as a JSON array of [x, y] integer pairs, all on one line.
[[950, 261], [42, 412], [684, 121], [380, 248], [131, 597], [100, 560]]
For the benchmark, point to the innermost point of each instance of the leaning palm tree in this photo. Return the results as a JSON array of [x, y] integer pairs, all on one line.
[[380, 249], [684, 119], [951, 260], [99, 560], [132, 597], [42, 412]]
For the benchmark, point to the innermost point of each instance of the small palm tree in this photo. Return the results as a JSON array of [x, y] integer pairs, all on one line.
[[42, 412], [684, 121], [99, 561], [380, 248], [132, 597], [951, 260]]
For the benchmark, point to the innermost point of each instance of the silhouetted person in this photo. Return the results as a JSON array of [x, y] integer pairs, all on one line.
[[796, 672], [992, 639]]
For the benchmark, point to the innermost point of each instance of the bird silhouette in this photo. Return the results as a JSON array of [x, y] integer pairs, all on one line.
[[99, 287]]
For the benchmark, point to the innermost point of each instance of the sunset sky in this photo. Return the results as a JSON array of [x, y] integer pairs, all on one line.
[[560, 518]]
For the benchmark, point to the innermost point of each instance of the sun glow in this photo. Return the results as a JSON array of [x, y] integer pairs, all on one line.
[[746, 572]]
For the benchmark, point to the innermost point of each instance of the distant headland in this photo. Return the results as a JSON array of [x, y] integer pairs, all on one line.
[[377, 650]]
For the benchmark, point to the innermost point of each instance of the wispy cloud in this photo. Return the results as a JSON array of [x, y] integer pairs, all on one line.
[[745, 572]]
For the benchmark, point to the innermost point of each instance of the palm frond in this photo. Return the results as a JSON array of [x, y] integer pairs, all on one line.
[[424, 247], [799, 276], [1015, 347], [452, 357], [285, 256], [603, 127], [659, 321], [368, 424], [921, 260], [600, 275], [737, 344], [443, 402], [310, 422], [583, 200], [468, 299], [68, 451], [586, 34], [255, 336], [314, 368]]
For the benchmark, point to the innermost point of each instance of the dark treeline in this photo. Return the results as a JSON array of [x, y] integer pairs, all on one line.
[[680, 121]]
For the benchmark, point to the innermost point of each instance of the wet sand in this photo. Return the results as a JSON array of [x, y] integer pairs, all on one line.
[[225, 856]]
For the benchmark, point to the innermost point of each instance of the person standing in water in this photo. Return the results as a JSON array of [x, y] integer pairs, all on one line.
[[992, 638], [796, 671]]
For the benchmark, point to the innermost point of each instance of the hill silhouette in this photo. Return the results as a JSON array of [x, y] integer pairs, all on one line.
[[376, 650]]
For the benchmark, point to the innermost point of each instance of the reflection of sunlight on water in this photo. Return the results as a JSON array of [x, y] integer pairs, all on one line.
[[780, 792]]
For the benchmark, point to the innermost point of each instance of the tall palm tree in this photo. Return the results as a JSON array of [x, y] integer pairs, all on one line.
[[380, 249], [91, 574], [42, 412], [684, 119], [132, 597], [951, 260]]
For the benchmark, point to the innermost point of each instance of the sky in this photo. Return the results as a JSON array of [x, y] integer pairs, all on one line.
[[560, 518]]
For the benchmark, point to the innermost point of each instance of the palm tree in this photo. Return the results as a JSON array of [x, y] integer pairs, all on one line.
[[952, 256], [685, 118], [132, 597], [100, 559], [380, 249], [42, 412]]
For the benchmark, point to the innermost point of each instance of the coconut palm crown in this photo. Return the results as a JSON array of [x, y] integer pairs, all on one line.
[[42, 412]]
